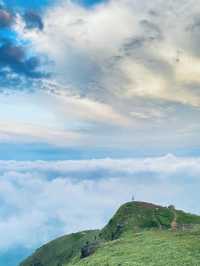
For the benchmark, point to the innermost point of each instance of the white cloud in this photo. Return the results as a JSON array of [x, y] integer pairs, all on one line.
[[41, 200], [122, 69], [134, 38]]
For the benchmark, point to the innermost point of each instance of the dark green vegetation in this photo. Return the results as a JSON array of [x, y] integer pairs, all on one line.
[[61, 250], [139, 234]]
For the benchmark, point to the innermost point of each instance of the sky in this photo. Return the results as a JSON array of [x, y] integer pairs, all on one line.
[[74, 83], [98, 100]]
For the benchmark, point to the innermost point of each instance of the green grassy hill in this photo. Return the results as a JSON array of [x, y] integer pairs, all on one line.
[[140, 234]]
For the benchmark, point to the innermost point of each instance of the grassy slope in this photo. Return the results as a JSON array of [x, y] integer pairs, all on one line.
[[132, 237], [149, 248], [61, 250]]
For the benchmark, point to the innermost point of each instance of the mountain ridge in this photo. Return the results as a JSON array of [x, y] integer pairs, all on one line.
[[131, 218]]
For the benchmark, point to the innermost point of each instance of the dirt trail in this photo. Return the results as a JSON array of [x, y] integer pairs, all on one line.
[[174, 221]]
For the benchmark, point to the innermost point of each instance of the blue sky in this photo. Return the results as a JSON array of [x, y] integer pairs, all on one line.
[[26, 4], [85, 87], [38, 4]]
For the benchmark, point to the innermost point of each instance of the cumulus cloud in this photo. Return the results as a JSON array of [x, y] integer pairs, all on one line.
[[51, 198], [131, 85], [145, 55], [124, 62]]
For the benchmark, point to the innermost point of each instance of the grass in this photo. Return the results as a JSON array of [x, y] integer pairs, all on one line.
[[61, 250], [148, 248]]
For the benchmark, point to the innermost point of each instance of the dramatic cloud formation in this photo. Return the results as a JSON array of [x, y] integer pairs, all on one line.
[[108, 83], [121, 67], [144, 56]]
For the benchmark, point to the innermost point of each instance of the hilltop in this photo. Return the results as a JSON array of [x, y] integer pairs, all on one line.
[[140, 233]]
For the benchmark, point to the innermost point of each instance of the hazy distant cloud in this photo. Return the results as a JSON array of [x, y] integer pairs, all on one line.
[[63, 119], [79, 114]]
